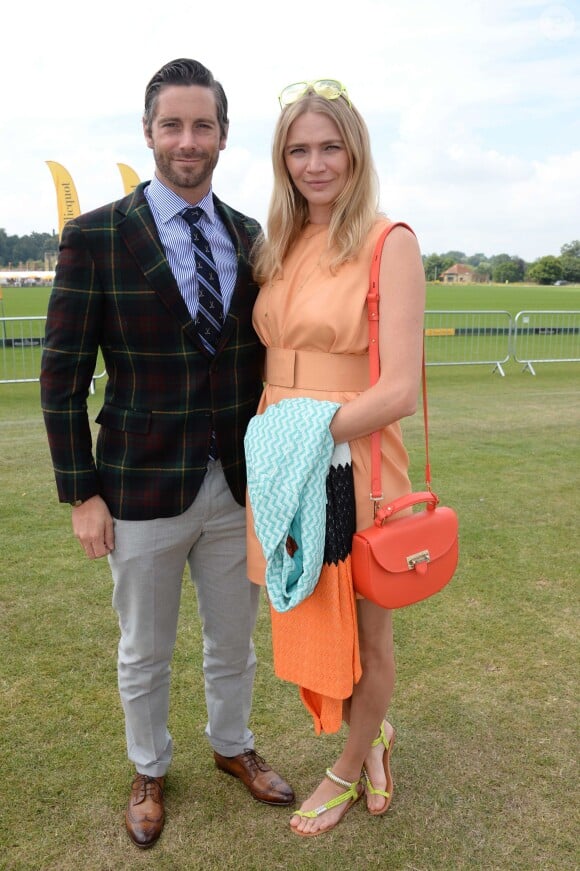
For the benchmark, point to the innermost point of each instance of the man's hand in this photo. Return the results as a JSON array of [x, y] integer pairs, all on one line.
[[93, 526]]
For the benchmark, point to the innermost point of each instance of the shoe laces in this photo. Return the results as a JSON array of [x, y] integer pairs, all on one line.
[[255, 761], [149, 788]]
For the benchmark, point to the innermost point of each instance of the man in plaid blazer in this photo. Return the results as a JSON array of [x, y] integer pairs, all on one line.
[[152, 498]]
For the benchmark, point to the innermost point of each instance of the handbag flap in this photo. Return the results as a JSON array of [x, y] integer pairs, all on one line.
[[423, 537]]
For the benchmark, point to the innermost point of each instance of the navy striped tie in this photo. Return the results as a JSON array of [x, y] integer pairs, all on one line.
[[210, 311]]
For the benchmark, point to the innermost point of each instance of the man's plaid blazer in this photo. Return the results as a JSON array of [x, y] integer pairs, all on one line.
[[114, 290]]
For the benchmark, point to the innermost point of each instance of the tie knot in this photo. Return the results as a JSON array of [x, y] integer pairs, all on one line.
[[192, 216]]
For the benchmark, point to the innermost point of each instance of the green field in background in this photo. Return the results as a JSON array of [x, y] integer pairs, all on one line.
[[485, 342], [32, 301]]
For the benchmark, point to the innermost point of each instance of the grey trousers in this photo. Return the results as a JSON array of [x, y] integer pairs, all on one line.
[[147, 565]]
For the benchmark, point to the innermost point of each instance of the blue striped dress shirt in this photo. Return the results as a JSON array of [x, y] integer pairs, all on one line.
[[175, 234]]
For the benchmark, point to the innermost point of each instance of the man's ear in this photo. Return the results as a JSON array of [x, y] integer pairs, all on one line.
[[147, 135], [224, 138]]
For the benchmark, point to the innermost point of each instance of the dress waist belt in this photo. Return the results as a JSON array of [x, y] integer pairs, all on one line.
[[315, 370]]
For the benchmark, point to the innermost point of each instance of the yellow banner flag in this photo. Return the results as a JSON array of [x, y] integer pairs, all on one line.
[[67, 200], [129, 176]]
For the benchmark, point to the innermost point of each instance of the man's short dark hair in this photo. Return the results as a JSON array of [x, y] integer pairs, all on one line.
[[185, 71]]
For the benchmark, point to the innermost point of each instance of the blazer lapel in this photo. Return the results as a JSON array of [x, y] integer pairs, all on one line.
[[241, 298], [137, 229]]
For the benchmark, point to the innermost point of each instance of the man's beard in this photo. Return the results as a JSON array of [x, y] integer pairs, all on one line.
[[184, 176]]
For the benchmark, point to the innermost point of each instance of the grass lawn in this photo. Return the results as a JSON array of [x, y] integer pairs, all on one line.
[[32, 301], [486, 702]]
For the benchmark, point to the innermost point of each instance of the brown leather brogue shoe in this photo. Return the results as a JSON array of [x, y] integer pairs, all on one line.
[[145, 813], [255, 773]]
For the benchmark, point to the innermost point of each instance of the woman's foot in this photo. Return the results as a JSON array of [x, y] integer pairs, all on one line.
[[377, 771], [327, 805]]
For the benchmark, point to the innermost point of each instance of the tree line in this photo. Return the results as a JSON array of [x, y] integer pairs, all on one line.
[[502, 268], [36, 251], [40, 250]]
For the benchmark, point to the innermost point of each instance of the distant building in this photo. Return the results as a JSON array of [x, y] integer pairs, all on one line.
[[459, 273]]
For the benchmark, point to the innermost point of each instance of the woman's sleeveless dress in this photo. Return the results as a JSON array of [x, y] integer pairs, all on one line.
[[323, 318]]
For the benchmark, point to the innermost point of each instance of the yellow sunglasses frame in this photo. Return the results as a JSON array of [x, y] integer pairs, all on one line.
[[318, 86]]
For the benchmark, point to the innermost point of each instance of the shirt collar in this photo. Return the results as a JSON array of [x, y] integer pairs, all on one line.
[[169, 204]]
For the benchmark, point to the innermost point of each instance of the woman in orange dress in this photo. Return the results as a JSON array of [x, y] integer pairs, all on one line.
[[313, 267]]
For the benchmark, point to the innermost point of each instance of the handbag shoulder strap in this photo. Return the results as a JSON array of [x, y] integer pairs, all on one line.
[[374, 367]]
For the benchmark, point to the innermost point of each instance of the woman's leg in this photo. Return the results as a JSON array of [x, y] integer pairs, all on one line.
[[364, 713]]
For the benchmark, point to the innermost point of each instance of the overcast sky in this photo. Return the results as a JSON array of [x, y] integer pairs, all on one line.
[[473, 105]]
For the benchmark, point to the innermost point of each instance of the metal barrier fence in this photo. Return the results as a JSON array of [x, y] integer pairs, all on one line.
[[468, 338], [21, 342], [21, 349], [452, 338], [546, 337]]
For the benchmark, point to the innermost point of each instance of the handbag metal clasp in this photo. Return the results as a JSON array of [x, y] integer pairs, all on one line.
[[421, 557]]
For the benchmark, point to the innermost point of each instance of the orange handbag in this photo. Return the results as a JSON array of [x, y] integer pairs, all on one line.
[[401, 560]]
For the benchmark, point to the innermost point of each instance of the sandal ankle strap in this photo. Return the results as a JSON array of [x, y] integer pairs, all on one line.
[[340, 781]]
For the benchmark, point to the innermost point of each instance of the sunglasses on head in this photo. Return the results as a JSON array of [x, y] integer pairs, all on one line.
[[329, 89]]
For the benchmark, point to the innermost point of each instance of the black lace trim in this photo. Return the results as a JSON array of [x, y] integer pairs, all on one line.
[[340, 514]]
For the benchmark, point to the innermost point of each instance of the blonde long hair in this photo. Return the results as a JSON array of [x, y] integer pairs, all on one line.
[[355, 209]]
